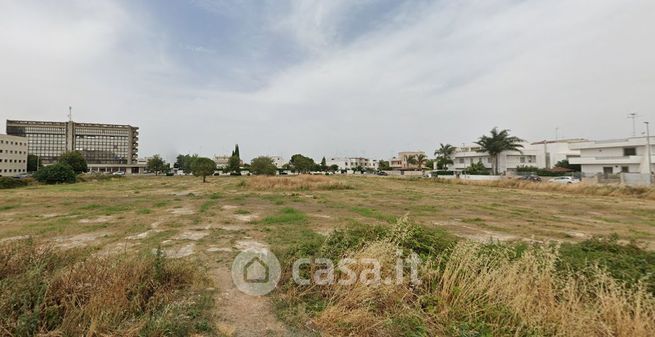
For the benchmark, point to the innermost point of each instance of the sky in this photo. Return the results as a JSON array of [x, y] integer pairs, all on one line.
[[332, 77]]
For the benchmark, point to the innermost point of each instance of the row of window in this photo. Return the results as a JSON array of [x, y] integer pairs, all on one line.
[[13, 161], [12, 151], [14, 170], [11, 142]]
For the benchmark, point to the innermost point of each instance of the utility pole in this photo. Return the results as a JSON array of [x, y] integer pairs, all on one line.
[[633, 116], [648, 153]]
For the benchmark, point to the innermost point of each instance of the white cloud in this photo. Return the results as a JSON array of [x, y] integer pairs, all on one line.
[[427, 73]]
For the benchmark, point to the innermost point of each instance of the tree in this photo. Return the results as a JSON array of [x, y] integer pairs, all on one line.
[[233, 165], [58, 173], [383, 165], [498, 142], [203, 167], [334, 168], [183, 162], [235, 152], [420, 160], [429, 164], [301, 163], [33, 163], [75, 160], [324, 166], [263, 165], [157, 165], [411, 160], [477, 168], [565, 164], [444, 155]]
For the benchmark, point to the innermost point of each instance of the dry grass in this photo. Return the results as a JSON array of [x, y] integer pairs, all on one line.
[[580, 188], [295, 183], [44, 291], [477, 290]]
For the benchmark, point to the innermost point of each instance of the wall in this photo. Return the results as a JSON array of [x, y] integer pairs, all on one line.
[[635, 179], [13, 155]]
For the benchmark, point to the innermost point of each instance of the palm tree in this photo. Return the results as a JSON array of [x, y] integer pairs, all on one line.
[[420, 160], [411, 160], [444, 155], [498, 142]]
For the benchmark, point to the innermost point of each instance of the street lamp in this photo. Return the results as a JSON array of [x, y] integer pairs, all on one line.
[[648, 153]]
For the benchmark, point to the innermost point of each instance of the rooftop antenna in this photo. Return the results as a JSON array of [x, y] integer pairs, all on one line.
[[70, 113], [633, 116]]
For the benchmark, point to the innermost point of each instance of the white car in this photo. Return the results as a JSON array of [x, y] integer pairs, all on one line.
[[119, 173], [564, 180]]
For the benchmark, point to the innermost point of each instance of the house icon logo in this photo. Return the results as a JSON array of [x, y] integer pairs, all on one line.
[[256, 273]]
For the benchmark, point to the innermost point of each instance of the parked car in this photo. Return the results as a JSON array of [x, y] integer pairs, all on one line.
[[564, 180], [530, 178], [119, 173], [23, 175], [382, 173]]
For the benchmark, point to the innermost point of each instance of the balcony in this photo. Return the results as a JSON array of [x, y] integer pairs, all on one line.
[[606, 160]]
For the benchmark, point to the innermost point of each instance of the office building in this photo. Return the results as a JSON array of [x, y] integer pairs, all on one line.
[[106, 147]]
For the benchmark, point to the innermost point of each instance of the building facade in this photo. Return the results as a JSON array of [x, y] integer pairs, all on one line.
[[278, 161], [13, 155], [352, 163], [106, 147], [399, 162], [543, 155], [607, 157]]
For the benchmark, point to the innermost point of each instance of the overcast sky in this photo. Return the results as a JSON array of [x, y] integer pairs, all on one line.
[[331, 77]]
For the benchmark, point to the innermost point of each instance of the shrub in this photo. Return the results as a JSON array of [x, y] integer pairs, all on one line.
[[625, 262], [473, 289], [55, 174], [75, 160], [263, 166], [9, 182], [49, 292]]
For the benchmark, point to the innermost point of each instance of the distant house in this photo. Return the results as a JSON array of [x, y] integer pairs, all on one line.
[[352, 163], [278, 161], [615, 156], [399, 162]]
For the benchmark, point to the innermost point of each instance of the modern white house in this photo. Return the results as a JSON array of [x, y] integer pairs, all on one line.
[[615, 156], [352, 163], [544, 154]]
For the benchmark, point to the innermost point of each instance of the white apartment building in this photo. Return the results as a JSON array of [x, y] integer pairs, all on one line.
[[615, 156], [13, 155], [544, 154], [351, 163]]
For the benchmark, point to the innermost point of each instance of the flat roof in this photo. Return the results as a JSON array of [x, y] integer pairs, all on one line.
[[9, 121]]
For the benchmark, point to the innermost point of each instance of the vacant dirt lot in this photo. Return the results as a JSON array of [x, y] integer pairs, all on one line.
[[209, 223]]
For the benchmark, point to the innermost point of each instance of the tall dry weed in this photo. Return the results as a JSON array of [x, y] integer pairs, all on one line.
[[483, 290], [295, 183]]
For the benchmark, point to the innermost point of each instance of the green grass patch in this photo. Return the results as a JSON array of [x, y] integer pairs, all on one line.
[[7, 207], [287, 215], [373, 213]]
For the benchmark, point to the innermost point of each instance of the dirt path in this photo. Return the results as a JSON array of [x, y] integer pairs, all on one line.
[[242, 315], [239, 314]]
